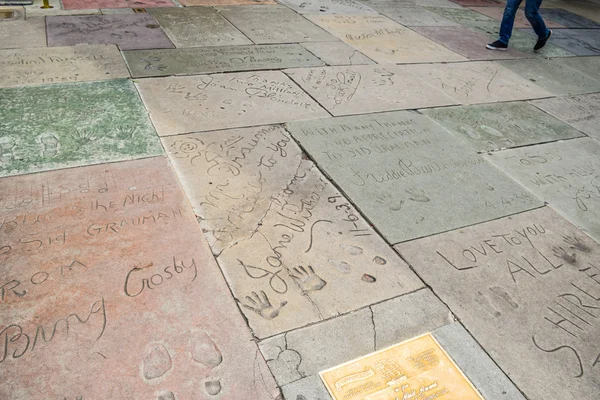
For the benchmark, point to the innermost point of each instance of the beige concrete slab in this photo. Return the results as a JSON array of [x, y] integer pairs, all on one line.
[[274, 24], [384, 40], [478, 82], [207, 102], [565, 174], [581, 112], [40, 66], [292, 247], [527, 288], [201, 60], [190, 3], [367, 89], [197, 27], [337, 53], [409, 14], [19, 33], [408, 175], [343, 7], [110, 290]]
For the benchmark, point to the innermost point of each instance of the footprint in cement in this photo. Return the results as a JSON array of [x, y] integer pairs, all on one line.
[[7, 145], [341, 266], [213, 387], [157, 361], [350, 249], [166, 396], [50, 143], [204, 350]]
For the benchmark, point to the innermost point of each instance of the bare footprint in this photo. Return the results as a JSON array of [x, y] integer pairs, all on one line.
[[50, 143], [204, 350], [157, 361], [166, 396]]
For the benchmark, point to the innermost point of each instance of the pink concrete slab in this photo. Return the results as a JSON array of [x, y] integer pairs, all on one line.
[[188, 3], [520, 20], [95, 4], [109, 291], [128, 31], [479, 3], [466, 42]]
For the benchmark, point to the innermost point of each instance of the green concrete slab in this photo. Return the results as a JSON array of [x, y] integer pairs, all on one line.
[[145, 63], [564, 174], [408, 175], [503, 125], [73, 124], [556, 76]]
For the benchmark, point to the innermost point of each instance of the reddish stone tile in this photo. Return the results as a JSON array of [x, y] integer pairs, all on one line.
[[94, 4], [109, 291]]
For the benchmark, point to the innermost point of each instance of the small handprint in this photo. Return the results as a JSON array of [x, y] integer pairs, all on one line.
[[308, 279], [417, 195], [576, 243], [261, 305], [562, 253], [387, 199]]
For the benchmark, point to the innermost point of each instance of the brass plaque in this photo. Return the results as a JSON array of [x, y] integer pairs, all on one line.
[[418, 369]]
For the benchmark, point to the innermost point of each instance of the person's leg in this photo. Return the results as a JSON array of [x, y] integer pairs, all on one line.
[[508, 19], [535, 19]]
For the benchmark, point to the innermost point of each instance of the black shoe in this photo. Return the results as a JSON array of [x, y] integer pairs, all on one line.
[[542, 43], [497, 45]]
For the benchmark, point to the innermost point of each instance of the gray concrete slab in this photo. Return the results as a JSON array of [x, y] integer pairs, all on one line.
[[197, 27], [343, 7], [22, 33], [527, 288], [581, 112], [564, 174], [274, 24], [408, 175], [200, 60], [556, 76], [500, 126], [409, 14]]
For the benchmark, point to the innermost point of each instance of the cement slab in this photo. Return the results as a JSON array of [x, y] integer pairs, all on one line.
[[584, 8], [41, 66], [97, 4], [581, 112], [79, 124], [409, 14], [478, 82], [22, 33], [192, 3], [199, 60], [589, 66], [499, 126], [337, 53], [564, 174], [408, 175], [292, 248], [350, 336], [274, 24], [478, 3], [343, 7], [197, 27], [207, 102], [437, 3], [581, 42], [36, 10], [466, 42], [367, 89], [526, 287], [568, 19], [520, 20], [83, 250], [127, 31], [384, 40], [554, 75], [11, 13]]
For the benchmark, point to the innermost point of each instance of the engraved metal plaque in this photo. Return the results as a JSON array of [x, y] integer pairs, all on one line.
[[416, 369]]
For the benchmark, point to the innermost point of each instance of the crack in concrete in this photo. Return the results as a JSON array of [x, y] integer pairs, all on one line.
[[374, 329]]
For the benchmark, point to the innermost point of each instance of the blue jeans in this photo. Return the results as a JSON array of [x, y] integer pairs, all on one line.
[[531, 12]]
